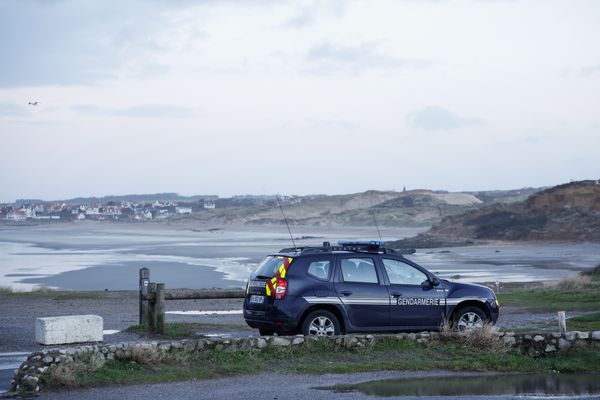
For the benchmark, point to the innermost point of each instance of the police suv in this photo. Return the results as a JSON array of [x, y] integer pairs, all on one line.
[[358, 287]]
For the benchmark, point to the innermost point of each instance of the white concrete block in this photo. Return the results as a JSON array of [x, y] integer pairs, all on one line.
[[69, 329]]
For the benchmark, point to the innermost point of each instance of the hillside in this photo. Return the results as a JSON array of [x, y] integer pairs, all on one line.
[[416, 207], [565, 212]]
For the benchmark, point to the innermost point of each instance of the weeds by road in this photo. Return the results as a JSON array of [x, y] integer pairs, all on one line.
[[317, 359]]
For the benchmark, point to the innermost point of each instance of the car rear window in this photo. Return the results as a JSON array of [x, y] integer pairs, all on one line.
[[267, 268], [319, 269]]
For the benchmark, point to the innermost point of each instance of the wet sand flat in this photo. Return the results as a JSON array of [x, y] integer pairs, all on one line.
[[103, 255]]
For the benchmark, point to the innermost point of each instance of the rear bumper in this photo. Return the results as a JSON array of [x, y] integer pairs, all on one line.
[[282, 317], [270, 321]]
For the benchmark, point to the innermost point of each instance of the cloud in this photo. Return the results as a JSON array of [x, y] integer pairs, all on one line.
[[12, 110], [308, 15], [438, 118], [589, 70], [138, 111], [329, 58], [72, 42]]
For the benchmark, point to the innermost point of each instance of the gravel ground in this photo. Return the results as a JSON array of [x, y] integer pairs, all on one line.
[[120, 310]]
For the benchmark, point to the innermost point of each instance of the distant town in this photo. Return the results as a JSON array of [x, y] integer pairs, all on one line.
[[129, 210]]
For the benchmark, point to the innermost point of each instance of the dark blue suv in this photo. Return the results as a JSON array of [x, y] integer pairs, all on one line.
[[358, 287]]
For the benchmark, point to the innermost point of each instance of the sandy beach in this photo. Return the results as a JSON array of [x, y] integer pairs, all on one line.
[[107, 256]]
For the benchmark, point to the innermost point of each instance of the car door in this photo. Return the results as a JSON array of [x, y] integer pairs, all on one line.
[[362, 291], [413, 305]]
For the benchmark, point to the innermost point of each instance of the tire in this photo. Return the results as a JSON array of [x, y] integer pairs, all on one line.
[[321, 323], [265, 332], [469, 318]]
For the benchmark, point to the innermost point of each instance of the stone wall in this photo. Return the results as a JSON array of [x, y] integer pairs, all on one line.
[[29, 376]]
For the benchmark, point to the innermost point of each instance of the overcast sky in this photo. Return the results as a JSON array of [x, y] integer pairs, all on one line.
[[234, 97]]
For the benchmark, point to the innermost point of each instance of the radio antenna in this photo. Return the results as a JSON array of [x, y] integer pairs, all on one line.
[[286, 221], [376, 226]]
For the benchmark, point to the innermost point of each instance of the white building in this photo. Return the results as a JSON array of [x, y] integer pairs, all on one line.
[[183, 210]]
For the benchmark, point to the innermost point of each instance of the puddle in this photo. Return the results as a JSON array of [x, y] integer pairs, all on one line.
[[515, 385], [216, 312]]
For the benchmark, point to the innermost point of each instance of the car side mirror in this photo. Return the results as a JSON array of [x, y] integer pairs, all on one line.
[[430, 283]]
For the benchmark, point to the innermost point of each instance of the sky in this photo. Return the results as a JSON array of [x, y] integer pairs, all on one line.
[[296, 97]]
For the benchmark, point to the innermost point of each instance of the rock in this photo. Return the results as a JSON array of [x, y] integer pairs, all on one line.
[[556, 335], [164, 347], [550, 348], [278, 341], [299, 340], [261, 343], [538, 338], [583, 335], [30, 383], [47, 360], [563, 344], [570, 336], [509, 340], [596, 335]]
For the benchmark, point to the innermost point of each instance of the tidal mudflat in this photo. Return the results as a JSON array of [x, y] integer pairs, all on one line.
[[102, 255], [98, 255]]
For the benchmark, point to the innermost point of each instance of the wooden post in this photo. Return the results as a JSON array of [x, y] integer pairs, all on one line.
[[144, 281], [160, 308], [562, 322], [152, 308]]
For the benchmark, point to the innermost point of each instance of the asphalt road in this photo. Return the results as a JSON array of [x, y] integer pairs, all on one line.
[[262, 387]]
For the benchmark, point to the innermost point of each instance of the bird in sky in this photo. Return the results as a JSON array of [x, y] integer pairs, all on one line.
[[34, 103]]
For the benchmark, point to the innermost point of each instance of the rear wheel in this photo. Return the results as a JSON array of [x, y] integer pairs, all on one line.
[[469, 318], [265, 332], [321, 323]]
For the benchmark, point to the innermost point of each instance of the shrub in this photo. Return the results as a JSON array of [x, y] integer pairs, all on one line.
[[485, 338]]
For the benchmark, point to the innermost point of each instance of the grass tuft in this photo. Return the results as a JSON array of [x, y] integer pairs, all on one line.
[[593, 273]]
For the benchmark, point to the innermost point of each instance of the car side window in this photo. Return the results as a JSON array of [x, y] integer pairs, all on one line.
[[400, 273], [319, 269], [361, 270]]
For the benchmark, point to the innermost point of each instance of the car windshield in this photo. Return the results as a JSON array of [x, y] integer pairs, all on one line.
[[268, 268]]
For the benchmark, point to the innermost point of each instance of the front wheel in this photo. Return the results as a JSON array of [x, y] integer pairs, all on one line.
[[469, 318], [321, 323]]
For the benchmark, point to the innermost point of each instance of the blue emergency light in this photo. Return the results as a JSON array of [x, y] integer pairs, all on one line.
[[374, 243]]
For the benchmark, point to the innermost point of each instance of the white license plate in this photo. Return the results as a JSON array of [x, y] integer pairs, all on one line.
[[257, 299]]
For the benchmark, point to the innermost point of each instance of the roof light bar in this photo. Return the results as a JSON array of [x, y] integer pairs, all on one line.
[[374, 243]]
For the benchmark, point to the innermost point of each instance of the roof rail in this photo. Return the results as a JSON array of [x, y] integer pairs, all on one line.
[[373, 246]]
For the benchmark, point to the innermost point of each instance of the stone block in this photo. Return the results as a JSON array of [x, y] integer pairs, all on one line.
[[596, 335], [69, 329]]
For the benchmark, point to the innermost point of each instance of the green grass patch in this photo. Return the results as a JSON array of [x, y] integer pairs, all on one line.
[[590, 322], [185, 330], [175, 330], [585, 298], [594, 273], [320, 358]]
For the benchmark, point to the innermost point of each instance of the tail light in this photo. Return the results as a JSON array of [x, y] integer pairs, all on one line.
[[280, 289]]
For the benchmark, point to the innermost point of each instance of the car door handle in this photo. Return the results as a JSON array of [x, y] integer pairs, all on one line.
[[346, 292], [396, 294]]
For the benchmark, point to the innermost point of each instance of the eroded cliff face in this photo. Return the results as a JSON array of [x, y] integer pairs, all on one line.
[[564, 212]]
